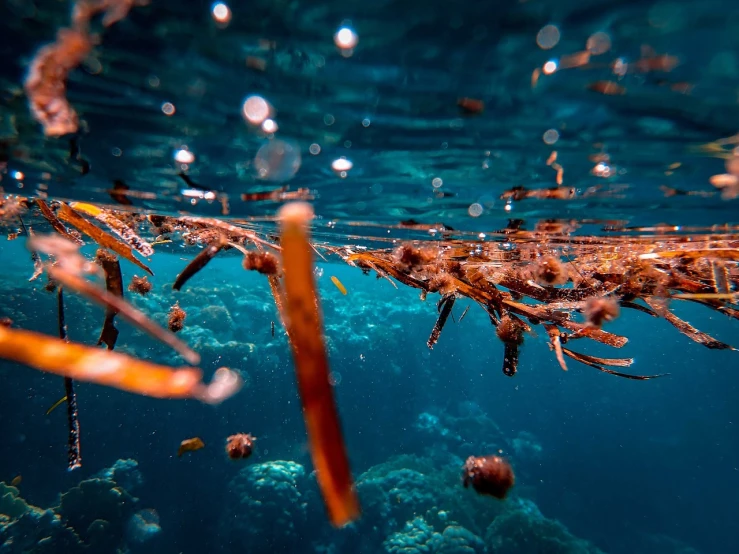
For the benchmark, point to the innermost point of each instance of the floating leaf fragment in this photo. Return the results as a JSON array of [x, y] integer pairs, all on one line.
[[104, 239], [200, 261], [190, 445], [113, 369], [589, 361]]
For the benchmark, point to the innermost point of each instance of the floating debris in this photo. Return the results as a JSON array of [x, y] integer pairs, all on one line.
[[199, 262], [339, 285], [490, 475], [109, 368], [114, 286], [74, 457], [176, 320], [140, 285], [304, 329], [190, 445], [240, 446]]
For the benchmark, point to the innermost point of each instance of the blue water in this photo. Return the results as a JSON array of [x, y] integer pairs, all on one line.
[[619, 461]]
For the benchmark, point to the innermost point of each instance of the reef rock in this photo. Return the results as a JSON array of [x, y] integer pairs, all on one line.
[[523, 528], [267, 508]]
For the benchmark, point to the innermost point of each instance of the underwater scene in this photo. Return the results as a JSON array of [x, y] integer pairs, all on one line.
[[390, 277]]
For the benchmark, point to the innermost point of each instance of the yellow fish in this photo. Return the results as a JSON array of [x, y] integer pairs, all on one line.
[[338, 284]]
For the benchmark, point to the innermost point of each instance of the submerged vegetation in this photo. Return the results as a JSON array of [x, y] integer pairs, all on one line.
[[544, 278]]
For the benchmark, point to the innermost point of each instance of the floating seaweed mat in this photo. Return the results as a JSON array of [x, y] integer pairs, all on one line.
[[303, 324], [98, 235], [112, 369]]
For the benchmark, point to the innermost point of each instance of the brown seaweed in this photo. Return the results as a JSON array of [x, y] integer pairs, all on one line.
[[104, 239], [688, 330], [114, 285], [199, 262], [595, 362], [74, 457], [126, 310], [55, 223], [303, 321], [112, 369], [445, 308]]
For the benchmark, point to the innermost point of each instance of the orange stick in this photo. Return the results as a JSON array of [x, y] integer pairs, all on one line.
[[105, 367], [304, 328]]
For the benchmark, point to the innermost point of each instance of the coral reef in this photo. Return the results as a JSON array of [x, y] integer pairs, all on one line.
[[267, 508], [92, 517], [418, 537], [523, 528]]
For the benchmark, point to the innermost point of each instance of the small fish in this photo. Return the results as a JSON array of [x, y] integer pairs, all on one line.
[[56, 404], [273, 328], [190, 445], [339, 285], [16, 481]]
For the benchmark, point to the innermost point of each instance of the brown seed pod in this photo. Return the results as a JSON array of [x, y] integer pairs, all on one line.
[[264, 263], [550, 271], [491, 475], [599, 309], [240, 446], [140, 285], [176, 318]]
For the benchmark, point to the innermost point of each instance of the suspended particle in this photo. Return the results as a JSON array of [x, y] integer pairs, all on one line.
[[168, 108], [314, 149]]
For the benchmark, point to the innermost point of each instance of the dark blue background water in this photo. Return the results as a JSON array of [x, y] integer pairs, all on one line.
[[619, 458]]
